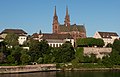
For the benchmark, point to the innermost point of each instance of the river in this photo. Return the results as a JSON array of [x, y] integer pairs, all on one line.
[[65, 74]]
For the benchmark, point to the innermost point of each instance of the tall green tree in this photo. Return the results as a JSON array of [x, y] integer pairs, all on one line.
[[116, 45], [66, 53], [79, 54], [12, 39], [25, 58], [16, 53]]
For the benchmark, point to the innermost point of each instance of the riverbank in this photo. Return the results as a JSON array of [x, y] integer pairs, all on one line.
[[27, 68], [46, 67], [92, 69]]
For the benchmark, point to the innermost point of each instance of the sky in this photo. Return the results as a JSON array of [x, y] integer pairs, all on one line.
[[35, 15]]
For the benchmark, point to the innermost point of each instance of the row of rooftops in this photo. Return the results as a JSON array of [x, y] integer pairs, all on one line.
[[55, 36]]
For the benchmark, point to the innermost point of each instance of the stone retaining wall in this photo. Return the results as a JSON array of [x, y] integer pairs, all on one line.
[[27, 68], [99, 52]]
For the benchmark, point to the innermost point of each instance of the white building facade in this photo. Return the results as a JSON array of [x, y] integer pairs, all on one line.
[[22, 39], [54, 40], [22, 34], [108, 37]]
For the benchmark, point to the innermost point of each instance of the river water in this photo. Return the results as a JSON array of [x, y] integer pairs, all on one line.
[[65, 74]]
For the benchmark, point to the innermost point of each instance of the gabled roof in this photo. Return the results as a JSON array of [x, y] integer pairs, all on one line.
[[74, 27], [16, 31], [56, 36], [107, 34]]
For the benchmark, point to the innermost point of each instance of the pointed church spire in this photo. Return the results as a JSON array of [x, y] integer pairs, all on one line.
[[40, 32], [67, 11], [67, 18], [55, 14], [55, 22]]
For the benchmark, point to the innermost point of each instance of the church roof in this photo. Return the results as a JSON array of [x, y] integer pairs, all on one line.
[[107, 34], [74, 27]]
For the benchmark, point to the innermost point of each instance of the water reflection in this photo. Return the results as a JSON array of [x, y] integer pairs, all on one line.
[[65, 74], [87, 74], [38, 74]]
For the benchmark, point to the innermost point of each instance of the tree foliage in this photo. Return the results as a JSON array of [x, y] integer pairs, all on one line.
[[89, 42], [25, 58], [12, 39], [66, 53]]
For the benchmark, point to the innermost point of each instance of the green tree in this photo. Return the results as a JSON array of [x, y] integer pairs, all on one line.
[[10, 59], [12, 39], [66, 53], [34, 45], [116, 45], [25, 58], [16, 53], [34, 50], [107, 62], [109, 45], [90, 42], [1, 57], [44, 47], [38, 49], [79, 54], [90, 59], [2, 46], [115, 57]]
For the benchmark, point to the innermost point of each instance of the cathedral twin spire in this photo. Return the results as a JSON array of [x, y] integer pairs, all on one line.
[[67, 17], [56, 23]]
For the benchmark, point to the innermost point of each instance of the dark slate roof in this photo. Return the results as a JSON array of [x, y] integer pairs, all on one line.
[[56, 36], [74, 27], [107, 34], [16, 31]]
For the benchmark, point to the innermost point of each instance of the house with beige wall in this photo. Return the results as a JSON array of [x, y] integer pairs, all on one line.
[[108, 37], [21, 33]]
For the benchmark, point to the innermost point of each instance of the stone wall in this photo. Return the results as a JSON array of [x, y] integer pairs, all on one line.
[[99, 52], [27, 68]]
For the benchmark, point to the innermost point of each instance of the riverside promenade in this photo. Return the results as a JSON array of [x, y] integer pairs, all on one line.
[[27, 68]]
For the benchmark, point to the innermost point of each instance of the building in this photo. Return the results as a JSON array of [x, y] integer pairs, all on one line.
[[1, 39], [22, 34], [76, 31], [108, 37], [54, 40]]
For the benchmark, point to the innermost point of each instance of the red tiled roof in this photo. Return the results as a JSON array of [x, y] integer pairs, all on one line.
[[35, 35]]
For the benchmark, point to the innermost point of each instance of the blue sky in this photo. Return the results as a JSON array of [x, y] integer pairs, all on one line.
[[35, 15]]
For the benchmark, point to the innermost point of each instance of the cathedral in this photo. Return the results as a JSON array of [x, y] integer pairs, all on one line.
[[76, 31]]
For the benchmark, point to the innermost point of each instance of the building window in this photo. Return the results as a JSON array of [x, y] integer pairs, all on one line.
[[53, 45], [55, 27], [56, 45]]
